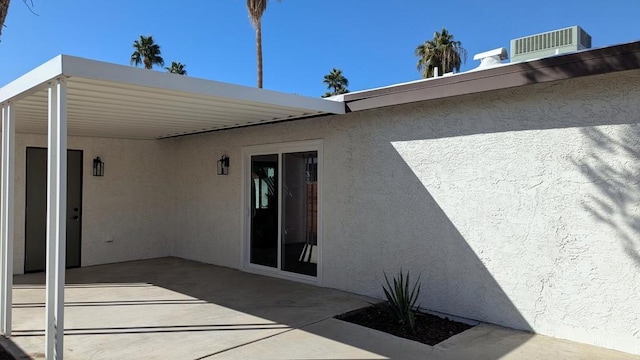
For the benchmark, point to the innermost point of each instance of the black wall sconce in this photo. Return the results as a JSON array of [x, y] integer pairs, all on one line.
[[98, 167], [223, 165]]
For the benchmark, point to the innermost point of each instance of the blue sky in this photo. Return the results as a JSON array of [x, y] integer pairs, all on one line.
[[372, 41]]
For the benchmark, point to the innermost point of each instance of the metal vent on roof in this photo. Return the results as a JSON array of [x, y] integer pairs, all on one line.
[[550, 43], [544, 41]]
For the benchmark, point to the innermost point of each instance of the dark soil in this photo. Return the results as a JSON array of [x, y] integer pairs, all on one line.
[[4, 355], [430, 329]]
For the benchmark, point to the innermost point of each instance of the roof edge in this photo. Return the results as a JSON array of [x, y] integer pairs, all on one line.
[[32, 80], [583, 63]]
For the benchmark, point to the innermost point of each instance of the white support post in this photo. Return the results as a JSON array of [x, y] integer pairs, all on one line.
[[8, 158], [50, 320], [56, 220], [2, 215]]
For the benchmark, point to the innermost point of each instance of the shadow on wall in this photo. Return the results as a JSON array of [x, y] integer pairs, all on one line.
[[613, 162], [455, 270], [613, 167], [395, 222], [493, 237], [510, 203]]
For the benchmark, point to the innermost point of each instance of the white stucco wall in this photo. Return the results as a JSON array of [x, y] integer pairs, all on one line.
[[124, 212], [518, 207]]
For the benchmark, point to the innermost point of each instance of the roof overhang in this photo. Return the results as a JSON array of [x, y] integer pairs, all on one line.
[[109, 100], [584, 63]]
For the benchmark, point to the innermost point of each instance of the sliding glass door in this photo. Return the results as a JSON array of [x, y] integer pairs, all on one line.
[[283, 210], [264, 210], [299, 234]]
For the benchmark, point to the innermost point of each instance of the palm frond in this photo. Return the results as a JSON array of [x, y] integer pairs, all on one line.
[[442, 52], [177, 68], [256, 9], [146, 52], [335, 80]]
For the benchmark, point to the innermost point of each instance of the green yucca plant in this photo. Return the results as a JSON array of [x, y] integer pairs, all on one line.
[[401, 301]]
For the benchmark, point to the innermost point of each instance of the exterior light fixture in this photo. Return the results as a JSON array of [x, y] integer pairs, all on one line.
[[223, 165], [98, 167]]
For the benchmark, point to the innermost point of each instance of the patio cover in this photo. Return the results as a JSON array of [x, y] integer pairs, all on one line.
[[109, 100], [73, 96]]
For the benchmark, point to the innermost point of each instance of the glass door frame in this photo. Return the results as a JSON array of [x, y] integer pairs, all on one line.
[[279, 149]]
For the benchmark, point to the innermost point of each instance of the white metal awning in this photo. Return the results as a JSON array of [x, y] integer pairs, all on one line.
[[73, 96], [111, 100]]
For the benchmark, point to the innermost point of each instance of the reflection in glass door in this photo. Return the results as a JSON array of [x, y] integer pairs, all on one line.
[[264, 210], [284, 212], [300, 213]]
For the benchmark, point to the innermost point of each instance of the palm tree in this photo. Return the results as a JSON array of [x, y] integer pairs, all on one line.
[[146, 52], [4, 9], [442, 52], [177, 68], [256, 8], [335, 80]]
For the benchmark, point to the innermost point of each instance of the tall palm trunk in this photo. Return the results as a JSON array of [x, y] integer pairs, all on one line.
[[4, 9], [259, 51]]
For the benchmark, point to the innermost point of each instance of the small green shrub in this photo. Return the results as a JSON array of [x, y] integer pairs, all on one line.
[[401, 301]]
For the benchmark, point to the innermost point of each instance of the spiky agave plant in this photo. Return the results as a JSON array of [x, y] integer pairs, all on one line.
[[402, 302]]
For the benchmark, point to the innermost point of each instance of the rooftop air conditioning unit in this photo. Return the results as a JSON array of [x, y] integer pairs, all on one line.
[[550, 43]]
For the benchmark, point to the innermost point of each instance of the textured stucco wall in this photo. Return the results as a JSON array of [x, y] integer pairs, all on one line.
[[518, 207], [128, 207]]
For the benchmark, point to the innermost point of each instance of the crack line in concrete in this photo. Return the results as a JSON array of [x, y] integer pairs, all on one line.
[[261, 339]]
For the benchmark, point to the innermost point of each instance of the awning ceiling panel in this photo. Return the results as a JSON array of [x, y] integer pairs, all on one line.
[[109, 100]]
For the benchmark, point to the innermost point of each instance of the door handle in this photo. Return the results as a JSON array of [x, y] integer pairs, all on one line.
[[76, 218]]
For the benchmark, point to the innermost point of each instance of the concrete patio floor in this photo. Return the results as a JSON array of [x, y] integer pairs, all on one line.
[[171, 308]]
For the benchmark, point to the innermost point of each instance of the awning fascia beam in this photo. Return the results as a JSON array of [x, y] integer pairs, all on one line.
[[32, 81], [97, 70]]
